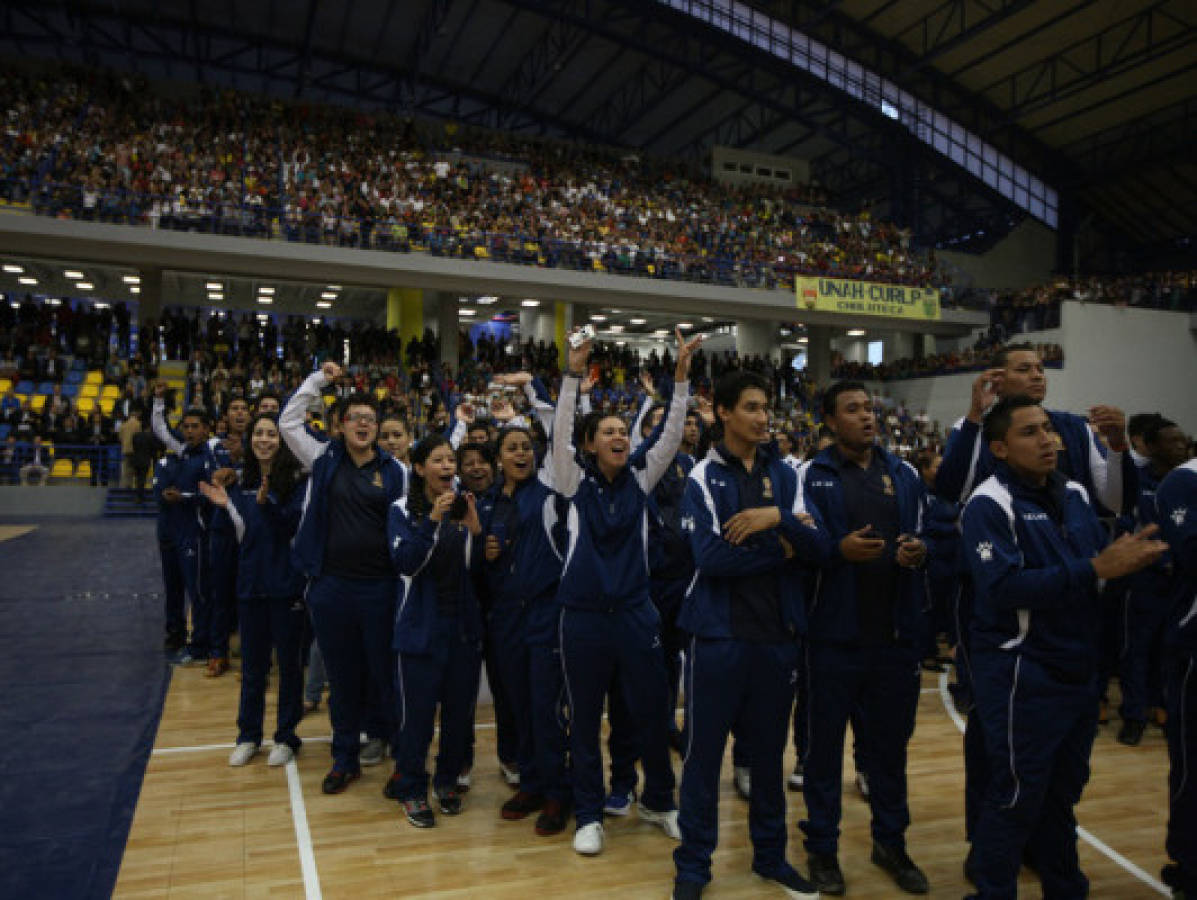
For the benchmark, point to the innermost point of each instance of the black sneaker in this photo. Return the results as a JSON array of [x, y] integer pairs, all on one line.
[[390, 790], [336, 781], [1131, 732], [826, 874], [970, 867], [449, 800], [792, 883], [554, 818], [686, 890], [901, 868], [521, 805], [419, 813]]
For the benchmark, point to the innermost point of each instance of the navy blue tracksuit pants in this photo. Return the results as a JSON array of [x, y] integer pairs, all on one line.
[[885, 682], [446, 676], [271, 623], [222, 582], [506, 643], [976, 763], [175, 591], [192, 555], [354, 620], [1180, 692], [1039, 734], [750, 687], [1147, 604], [595, 645]]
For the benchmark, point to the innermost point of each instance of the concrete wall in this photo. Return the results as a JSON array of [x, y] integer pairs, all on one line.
[[797, 169], [1139, 360], [1026, 256]]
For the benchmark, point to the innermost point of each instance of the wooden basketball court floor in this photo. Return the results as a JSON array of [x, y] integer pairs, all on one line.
[[204, 829]]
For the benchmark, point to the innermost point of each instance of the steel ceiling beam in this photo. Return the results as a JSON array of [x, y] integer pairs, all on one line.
[[955, 22], [1120, 47]]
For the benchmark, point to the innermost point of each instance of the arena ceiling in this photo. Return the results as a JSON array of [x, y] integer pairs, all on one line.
[[1096, 98]]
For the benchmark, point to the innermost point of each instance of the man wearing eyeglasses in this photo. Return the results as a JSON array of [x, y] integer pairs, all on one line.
[[341, 546]]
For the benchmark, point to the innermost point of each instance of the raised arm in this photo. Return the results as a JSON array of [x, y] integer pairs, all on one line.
[[158, 421], [293, 418], [1115, 480], [662, 453], [567, 474]]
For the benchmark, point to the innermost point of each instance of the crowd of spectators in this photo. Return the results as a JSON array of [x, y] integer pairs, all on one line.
[[106, 147], [971, 359], [1038, 308], [240, 355]]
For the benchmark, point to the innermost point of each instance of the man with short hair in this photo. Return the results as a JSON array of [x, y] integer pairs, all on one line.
[[1035, 548], [865, 625], [1109, 477], [746, 526], [189, 515], [1149, 591], [341, 545], [1176, 507], [37, 468]]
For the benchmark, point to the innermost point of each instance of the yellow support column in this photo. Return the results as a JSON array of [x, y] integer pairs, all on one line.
[[563, 321], [405, 311]]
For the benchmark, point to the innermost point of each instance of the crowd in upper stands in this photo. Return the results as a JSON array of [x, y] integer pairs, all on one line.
[[105, 147]]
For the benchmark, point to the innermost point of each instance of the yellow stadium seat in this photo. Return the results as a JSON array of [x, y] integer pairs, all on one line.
[[84, 469], [106, 405], [21, 398], [5, 384], [597, 264], [89, 390], [111, 390], [481, 253], [85, 405], [37, 402], [62, 468], [95, 376]]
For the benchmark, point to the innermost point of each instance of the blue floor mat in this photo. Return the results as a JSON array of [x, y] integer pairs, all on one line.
[[83, 679]]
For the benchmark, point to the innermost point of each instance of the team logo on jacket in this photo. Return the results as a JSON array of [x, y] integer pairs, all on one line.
[[681, 473], [687, 523], [766, 488], [377, 480], [1058, 441], [888, 484], [985, 551], [1178, 515]]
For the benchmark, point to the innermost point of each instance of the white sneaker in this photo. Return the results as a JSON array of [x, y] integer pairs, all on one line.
[[243, 753], [372, 752], [743, 781], [667, 820], [796, 779], [280, 755], [510, 774], [862, 785], [463, 781], [588, 840]]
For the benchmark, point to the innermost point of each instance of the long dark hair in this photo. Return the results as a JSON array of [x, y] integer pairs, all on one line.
[[285, 470], [417, 494], [496, 463]]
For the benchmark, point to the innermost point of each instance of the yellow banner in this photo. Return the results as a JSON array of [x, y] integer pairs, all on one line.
[[867, 298]]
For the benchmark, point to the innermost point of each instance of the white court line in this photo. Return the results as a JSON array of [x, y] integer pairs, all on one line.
[[303, 837], [1084, 834]]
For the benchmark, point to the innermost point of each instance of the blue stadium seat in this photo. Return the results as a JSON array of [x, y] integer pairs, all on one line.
[[5, 428], [25, 387], [46, 387], [75, 376], [70, 389], [79, 365]]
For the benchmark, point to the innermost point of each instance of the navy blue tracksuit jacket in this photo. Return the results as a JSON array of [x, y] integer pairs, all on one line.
[[1176, 504], [844, 672], [1034, 641], [439, 645]]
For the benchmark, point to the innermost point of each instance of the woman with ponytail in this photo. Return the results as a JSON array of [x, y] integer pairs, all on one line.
[[433, 536]]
